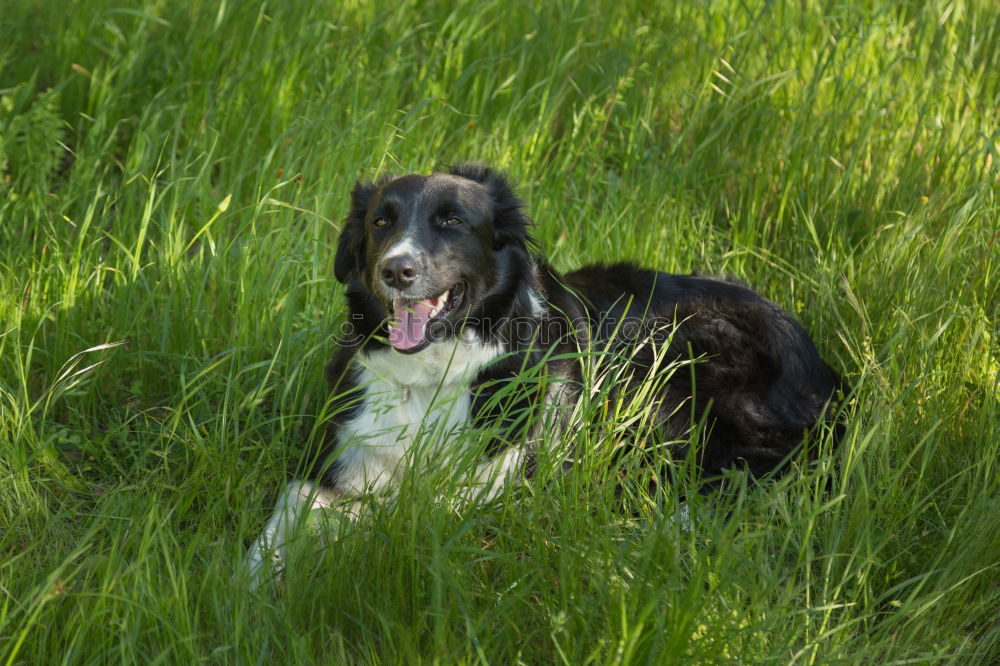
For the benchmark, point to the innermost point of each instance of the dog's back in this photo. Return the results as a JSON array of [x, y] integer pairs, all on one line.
[[754, 372]]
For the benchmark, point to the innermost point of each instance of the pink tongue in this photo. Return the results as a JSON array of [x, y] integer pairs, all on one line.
[[408, 321]]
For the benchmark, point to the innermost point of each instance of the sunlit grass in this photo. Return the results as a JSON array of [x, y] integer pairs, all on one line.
[[173, 176]]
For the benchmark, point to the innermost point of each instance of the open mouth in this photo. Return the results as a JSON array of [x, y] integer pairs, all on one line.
[[411, 319]]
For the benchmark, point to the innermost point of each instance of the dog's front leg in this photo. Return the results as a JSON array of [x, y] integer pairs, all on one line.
[[293, 506], [492, 476]]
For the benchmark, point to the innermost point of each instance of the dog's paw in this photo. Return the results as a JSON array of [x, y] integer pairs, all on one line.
[[264, 562]]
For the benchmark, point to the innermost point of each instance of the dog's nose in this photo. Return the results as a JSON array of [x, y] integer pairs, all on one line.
[[400, 271]]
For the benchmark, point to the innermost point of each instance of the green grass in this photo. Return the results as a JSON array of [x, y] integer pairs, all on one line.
[[172, 176]]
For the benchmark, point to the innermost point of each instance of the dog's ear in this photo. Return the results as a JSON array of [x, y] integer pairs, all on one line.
[[350, 259], [510, 222]]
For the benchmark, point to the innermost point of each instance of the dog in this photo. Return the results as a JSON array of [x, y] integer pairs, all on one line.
[[448, 304]]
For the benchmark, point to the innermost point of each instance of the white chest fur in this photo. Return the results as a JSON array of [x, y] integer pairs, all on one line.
[[409, 398]]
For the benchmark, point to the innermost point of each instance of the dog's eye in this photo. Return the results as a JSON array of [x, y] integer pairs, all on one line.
[[452, 220], [381, 221]]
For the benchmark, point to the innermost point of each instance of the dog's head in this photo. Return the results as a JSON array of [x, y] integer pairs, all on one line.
[[430, 249]]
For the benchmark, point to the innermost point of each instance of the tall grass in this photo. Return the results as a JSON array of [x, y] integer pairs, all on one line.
[[173, 176]]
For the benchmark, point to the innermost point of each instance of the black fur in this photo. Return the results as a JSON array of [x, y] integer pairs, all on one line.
[[757, 374]]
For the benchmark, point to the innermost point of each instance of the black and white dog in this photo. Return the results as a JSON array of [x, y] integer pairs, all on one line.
[[448, 306]]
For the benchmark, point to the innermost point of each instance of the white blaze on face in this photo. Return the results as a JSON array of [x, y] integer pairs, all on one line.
[[404, 246]]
